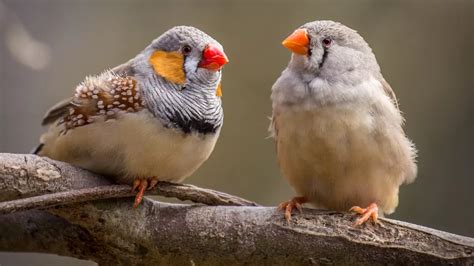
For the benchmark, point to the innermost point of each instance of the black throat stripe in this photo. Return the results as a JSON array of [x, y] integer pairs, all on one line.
[[193, 124]]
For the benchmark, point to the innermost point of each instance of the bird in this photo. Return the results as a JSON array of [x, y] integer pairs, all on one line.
[[337, 125], [154, 118]]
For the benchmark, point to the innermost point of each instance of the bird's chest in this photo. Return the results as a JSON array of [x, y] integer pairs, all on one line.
[[135, 145], [317, 147], [168, 153], [329, 130]]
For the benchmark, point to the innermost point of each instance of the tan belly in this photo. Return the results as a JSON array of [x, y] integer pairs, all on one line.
[[338, 158], [134, 145]]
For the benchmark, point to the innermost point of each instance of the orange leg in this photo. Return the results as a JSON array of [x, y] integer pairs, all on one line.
[[142, 184], [141, 190], [366, 213], [289, 205]]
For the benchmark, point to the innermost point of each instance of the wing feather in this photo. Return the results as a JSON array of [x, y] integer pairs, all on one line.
[[57, 111], [389, 91], [103, 95]]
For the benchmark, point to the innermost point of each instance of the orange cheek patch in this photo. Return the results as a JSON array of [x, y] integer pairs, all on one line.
[[169, 65], [219, 90]]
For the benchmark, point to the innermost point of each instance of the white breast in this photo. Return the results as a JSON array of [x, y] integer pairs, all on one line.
[[133, 145]]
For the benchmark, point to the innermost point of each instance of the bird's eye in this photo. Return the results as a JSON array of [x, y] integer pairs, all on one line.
[[186, 49], [327, 42]]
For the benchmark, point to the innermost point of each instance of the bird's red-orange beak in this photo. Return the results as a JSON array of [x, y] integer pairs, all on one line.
[[297, 42], [213, 58]]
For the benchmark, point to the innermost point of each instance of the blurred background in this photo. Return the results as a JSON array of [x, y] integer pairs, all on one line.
[[425, 50]]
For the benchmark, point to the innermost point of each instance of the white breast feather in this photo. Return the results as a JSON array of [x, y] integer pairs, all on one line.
[[133, 145]]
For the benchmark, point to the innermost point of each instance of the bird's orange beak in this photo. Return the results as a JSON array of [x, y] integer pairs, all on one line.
[[213, 58], [297, 42]]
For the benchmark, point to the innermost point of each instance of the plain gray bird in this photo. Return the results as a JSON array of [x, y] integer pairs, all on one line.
[[337, 126]]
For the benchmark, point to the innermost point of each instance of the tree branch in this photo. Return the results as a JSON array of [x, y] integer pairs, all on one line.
[[110, 231], [44, 175], [39, 231], [179, 191]]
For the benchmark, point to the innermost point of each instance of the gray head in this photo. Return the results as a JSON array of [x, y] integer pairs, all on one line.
[[182, 55], [179, 73], [329, 50]]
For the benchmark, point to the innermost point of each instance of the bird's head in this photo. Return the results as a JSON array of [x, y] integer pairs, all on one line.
[[180, 58], [327, 49]]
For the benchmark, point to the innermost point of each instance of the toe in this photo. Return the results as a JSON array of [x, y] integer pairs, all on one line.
[[288, 210], [136, 183], [153, 183], [362, 219], [370, 212], [288, 206], [282, 206], [141, 191], [357, 209]]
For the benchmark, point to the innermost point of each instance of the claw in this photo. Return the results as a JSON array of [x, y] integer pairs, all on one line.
[[299, 207], [141, 190], [142, 184], [366, 213], [288, 206], [136, 183], [153, 183]]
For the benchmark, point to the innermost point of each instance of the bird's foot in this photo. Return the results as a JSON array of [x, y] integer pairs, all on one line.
[[142, 184], [366, 213], [289, 205]]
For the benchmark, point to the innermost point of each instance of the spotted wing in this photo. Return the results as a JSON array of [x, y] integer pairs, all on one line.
[[97, 98]]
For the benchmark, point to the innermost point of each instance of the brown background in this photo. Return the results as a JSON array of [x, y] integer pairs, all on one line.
[[423, 47]]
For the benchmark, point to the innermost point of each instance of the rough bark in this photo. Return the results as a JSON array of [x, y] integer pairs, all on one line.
[[27, 181], [110, 231]]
